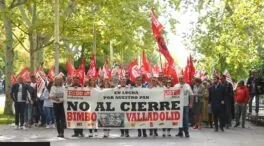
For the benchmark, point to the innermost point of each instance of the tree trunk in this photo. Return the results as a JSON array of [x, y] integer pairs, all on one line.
[[9, 63], [32, 36]]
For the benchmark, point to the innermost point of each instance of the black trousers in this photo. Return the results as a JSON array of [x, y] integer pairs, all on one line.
[[219, 116], [60, 117], [78, 131], [153, 130], [142, 131], [19, 113], [124, 131]]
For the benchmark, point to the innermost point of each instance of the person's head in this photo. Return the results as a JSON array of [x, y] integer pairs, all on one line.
[[181, 79], [254, 72], [33, 78], [161, 76], [241, 83], [123, 82], [86, 83], [205, 84], [223, 78], [20, 80], [69, 80], [58, 81], [198, 82], [107, 83], [154, 81], [50, 85], [169, 83], [138, 81], [76, 80], [92, 82], [127, 75], [215, 80]]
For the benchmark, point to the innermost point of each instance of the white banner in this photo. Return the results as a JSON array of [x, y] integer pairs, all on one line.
[[123, 108]]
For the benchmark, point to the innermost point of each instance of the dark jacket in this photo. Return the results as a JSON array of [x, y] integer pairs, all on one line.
[[258, 82], [14, 91], [229, 93], [216, 95]]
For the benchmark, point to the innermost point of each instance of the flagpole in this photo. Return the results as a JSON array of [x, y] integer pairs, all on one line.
[[56, 36], [160, 62]]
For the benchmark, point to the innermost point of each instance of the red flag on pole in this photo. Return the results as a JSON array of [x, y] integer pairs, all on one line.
[[92, 70], [186, 72], [191, 68], [70, 69], [51, 73], [80, 72], [25, 74], [156, 29], [134, 70], [13, 79]]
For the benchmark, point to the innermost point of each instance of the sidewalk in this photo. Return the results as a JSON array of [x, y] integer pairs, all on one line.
[[251, 135]]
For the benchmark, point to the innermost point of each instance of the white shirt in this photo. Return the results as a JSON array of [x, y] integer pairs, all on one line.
[[185, 92], [57, 92], [19, 94]]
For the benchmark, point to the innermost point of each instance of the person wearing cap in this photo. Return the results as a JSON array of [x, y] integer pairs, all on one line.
[[153, 83], [241, 99], [123, 84], [187, 94], [57, 96], [138, 85], [76, 84], [168, 84]]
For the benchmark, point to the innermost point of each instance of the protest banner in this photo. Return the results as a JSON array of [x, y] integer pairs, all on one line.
[[135, 108]]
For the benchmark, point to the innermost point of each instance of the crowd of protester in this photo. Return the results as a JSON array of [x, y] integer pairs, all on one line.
[[209, 103]]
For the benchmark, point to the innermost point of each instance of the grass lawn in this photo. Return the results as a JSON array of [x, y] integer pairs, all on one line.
[[6, 119]]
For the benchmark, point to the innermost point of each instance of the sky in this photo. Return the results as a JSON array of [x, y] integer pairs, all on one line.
[[187, 19]]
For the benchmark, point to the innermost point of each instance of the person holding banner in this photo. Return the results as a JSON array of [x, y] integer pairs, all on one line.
[[57, 96], [107, 84], [123, 84], [153, 83], [168, 85], [185, 93], [76, 83], [92, 84], [138, 84]]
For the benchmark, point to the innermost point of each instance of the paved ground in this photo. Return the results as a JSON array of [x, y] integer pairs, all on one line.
[[250, 136]]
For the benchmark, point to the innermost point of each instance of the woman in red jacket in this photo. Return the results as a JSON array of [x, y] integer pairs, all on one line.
[[241, 99]]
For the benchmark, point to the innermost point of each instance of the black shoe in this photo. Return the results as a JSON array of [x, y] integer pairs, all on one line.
[[156, 134], [139, 134], [127, 135], [122, 135], [58, 135], [243, 126], [151, 134], [62, 136], [81, 135], [169, 135], [237, 124], [74, 135], [216, 129], [187, 135], [222, 129], [179, 134], [163, 135], [145, 135]]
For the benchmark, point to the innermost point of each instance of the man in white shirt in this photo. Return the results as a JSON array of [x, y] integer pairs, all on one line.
[[185, 93]]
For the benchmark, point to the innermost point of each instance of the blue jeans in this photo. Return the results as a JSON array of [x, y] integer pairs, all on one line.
[[185, 120], [28, 113], [256, 101], [48, 114]]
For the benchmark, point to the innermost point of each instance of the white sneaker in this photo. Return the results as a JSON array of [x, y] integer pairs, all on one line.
[[23, 127], [48, 126]]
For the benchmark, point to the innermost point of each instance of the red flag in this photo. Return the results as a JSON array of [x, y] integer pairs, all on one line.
[[80, 72], [191, 68], [134, 70], [106, 70], [157, 28], [146, 64], [42, 73], [173, 74], [51, 73], [70, 69], [25, 74], [92, 70], [186, 72]]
